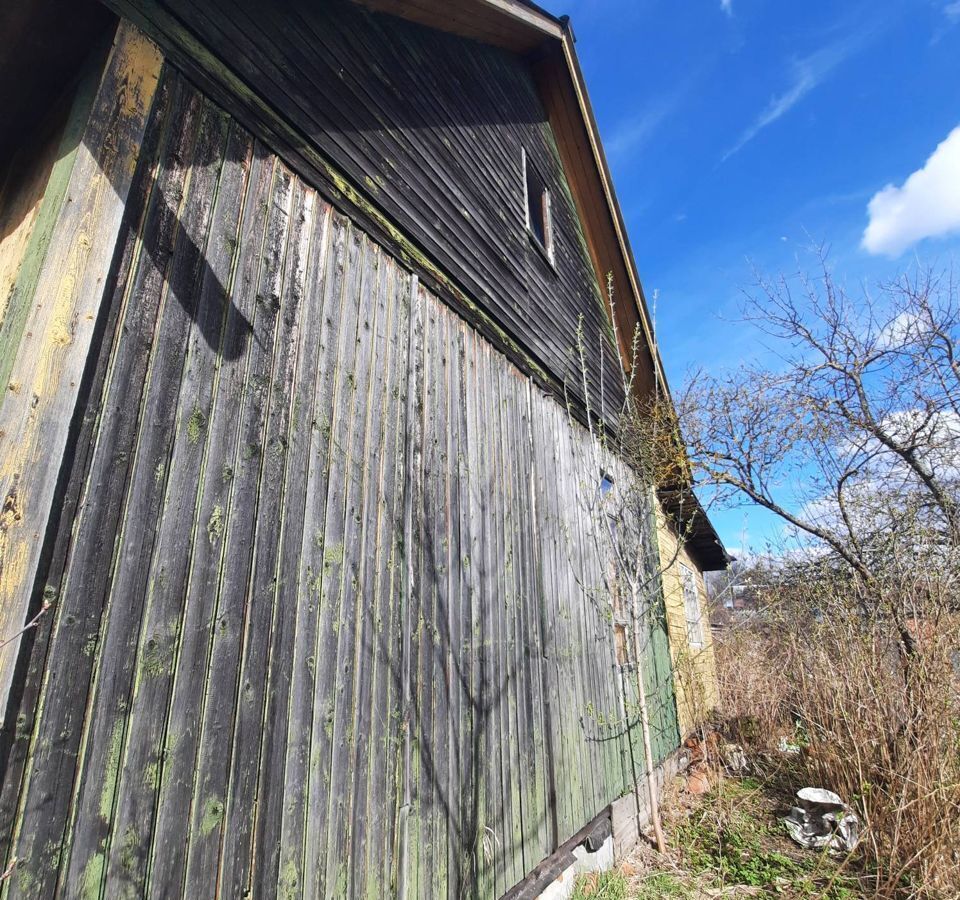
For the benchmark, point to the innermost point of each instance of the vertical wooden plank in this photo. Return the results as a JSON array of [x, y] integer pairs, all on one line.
[[407, 833], [373, 849], [508, 386], [454, 624], [77, 615], [342, 424], [306, 268], [500, 601], [395, 777], [216, 429], [107, 723], [562, 690], [329, 311], [493, 820], [424, 670], [439, 630], [480, 751], [469, 730], [535, 814], [41, 393], [285, 292], [472, 527], [512, 387], [347, 592]]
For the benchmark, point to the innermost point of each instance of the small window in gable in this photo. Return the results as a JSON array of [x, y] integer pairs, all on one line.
[[691, 605], [538, 209]]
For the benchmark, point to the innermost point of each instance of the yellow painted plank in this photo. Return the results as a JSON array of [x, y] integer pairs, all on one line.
[[44, 380], [14, 241], [695, 679]]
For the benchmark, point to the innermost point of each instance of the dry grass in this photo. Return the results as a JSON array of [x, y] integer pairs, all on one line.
[[877, 725]]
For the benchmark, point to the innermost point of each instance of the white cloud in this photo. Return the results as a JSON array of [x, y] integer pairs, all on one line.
[[926, 205], [807, 73], [952, 11], [900, 331], [727, 6]]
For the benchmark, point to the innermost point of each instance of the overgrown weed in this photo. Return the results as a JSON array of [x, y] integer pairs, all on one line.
[[879, 727]]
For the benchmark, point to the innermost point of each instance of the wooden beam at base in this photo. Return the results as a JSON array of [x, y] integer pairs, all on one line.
[[40, 396]]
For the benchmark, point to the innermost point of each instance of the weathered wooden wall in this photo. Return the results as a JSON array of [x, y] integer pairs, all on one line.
[[427, 127], [325, 618], [54, 313]]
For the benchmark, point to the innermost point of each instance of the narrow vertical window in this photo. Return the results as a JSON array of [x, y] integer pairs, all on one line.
[[538, 208], [606, 484], [691, 604]]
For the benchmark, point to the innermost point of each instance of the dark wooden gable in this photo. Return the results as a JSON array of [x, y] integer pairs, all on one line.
[[429, 129]]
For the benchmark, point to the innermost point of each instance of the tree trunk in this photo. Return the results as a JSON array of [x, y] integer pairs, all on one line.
[[645, 725]]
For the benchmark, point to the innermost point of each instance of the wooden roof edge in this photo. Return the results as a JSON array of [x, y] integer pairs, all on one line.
[[516, 25], [613, 204], [704, 542], [683, 508], [530, 14]]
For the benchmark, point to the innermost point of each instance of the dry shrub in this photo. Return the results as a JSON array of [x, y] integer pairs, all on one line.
[[865, 680]]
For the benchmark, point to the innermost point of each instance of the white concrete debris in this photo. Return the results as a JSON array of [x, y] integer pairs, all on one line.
[[822, 820]]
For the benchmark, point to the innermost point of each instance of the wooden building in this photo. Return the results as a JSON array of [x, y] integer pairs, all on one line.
[[294, 541]]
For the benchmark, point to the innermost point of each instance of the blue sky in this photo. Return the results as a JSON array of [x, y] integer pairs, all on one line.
[[739, 132]]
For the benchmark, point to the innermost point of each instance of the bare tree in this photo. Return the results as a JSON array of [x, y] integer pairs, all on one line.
[[852, 435]]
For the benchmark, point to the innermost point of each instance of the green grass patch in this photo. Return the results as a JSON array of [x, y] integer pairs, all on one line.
[[736, 840], [601, 886], [663, 885]]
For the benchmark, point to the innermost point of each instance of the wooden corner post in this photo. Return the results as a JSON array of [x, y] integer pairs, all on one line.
[[39, 397]]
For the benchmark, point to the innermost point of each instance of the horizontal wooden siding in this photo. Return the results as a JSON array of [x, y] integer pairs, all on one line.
[[430, 129]]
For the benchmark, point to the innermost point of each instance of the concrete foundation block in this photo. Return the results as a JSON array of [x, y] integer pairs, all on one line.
[[624, 818], [600, 861], [562, 887]]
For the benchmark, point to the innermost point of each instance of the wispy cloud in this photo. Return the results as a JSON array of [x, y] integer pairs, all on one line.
[[635, 132], [952, 11], [727, 6], [806, 74]]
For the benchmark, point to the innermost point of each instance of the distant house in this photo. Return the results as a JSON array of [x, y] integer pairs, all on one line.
[[294, 465]]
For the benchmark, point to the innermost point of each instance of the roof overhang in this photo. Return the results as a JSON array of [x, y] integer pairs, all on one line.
[[548, 42], [45, 43], [512, 24]]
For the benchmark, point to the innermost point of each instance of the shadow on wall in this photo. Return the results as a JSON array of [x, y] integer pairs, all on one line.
[[482, 835], [161, 238], [51, 129]]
